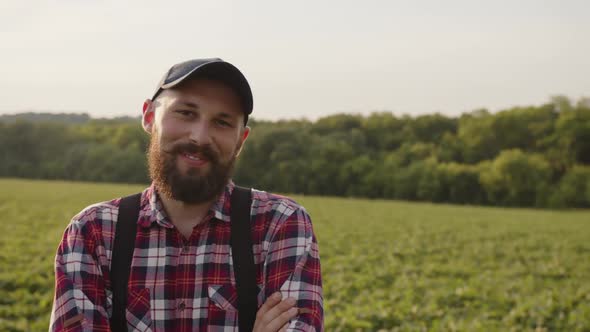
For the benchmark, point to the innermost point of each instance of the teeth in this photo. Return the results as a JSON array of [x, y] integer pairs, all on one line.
[[191, 157]]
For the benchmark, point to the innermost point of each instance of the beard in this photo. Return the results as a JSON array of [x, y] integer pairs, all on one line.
[[195, 186]]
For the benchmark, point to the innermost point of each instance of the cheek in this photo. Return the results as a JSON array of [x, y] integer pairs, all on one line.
[[171, 129], [228, 146]]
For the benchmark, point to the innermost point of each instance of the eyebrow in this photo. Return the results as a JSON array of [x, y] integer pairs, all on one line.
[[225, 115], [189, 104]]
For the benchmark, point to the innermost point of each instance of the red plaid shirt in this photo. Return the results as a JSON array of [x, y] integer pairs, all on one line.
[[185, 285]]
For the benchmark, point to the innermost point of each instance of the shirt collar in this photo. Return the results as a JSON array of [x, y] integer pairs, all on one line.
[[152, 209]]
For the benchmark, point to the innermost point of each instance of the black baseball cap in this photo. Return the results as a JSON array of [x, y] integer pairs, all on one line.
[[213, 69]]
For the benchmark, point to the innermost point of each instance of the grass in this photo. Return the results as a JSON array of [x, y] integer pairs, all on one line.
[[386, 265]]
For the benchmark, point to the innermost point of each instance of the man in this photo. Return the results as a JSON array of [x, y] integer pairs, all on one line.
[[182, 269]]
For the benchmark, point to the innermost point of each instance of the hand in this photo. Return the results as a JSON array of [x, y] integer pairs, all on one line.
[[274, 315]]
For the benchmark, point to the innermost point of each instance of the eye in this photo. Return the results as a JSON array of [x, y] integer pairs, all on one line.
[[185, 113], [223, 123]]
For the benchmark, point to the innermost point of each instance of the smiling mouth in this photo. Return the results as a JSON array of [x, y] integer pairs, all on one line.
[[194, 159], [192, 156]]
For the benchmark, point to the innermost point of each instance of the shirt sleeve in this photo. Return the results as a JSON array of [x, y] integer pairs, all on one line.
[[80, 299], [293, 268]]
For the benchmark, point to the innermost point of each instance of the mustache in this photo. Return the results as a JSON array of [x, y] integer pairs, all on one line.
[[204, 150]]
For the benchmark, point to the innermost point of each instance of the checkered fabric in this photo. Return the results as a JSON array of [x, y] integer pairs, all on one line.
[[179, 284]]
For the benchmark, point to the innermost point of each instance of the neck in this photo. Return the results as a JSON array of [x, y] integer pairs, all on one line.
[[184, 215]]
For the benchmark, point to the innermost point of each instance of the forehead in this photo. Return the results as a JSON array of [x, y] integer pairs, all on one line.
[[204, 93]]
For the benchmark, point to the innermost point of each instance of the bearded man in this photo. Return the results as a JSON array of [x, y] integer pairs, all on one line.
[[182, 261]]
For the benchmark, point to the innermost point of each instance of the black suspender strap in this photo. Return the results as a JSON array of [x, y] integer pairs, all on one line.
[[241, 246], [243, 257], [122, 254]]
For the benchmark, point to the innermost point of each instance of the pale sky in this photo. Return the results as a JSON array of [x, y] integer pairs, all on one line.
[[302, 58]]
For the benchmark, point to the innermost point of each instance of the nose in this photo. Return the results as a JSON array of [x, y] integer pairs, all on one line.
[[200, 133]]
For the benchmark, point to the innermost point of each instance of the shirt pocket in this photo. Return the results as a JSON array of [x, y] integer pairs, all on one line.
[[223, 304], [138, 309], [224, 297]]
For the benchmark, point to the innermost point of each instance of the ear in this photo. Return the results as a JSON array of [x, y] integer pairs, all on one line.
[[243, 137], [147, 119]]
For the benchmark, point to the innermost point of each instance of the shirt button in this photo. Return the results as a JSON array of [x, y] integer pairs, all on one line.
[[185, 249], [181, 306]]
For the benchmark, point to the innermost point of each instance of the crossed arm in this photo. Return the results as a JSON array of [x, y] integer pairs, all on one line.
[[295, 303]]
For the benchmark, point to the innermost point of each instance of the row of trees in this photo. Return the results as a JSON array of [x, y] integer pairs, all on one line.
[[525, 156]]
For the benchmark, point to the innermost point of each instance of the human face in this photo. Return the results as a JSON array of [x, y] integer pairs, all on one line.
[[197, 133]]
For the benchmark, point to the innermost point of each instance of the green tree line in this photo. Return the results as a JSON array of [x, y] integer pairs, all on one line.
[[536, 156]]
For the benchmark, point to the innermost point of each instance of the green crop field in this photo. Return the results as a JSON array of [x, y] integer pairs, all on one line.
[[387, 266]]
